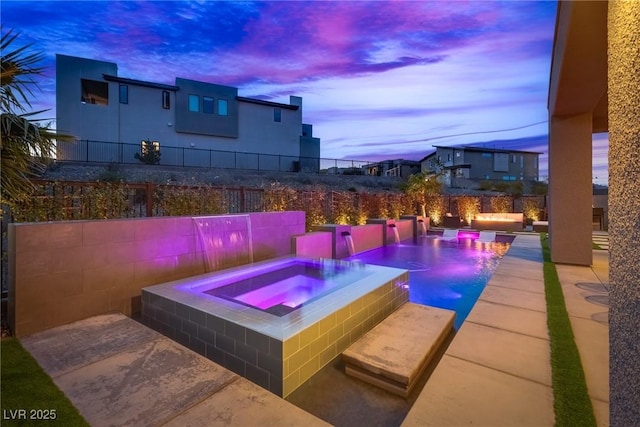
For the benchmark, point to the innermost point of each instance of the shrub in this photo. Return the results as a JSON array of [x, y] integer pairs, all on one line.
[[434, 207], [176, 200], [111, 173], [539, 188], [149, 153], [485, 185], [516, 189], [279, 198], [468, 207], [501, 204], [531, 209], [501, 186]]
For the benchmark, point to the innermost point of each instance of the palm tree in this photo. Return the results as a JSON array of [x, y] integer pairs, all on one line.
[[26, 145]]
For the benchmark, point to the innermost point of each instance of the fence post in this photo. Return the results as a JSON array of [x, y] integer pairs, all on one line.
[[150, 189], [242, 206]]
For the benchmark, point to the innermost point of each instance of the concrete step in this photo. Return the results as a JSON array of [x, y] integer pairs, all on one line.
[[396, 352]]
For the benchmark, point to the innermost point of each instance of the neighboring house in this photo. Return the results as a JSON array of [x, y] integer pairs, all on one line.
[[191, 123], [467, 166], [398, 167]]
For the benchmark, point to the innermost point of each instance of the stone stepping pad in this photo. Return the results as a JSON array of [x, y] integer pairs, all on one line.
[[396, 352]]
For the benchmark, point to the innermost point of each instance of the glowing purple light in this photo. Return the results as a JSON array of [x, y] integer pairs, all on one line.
[[291, 292]]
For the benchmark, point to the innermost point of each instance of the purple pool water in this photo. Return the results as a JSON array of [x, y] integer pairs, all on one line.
[[281, 290], [442, 274]]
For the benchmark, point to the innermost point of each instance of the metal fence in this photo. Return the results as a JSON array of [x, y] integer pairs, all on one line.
[[118, 152]]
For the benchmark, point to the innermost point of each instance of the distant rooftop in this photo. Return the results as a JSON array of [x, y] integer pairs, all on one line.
[[484, 149]]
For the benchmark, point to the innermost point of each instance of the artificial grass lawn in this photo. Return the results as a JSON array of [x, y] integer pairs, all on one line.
[[571, 402], [25, 386]]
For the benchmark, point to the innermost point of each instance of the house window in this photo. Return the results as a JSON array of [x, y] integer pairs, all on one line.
[[207, 105], [521, 162], [458, 154], [194, 103], [223, 107], [124, 94], [448, 157], [149, 146], [166, 100], [94, 92], [277, 115], [488, 155]]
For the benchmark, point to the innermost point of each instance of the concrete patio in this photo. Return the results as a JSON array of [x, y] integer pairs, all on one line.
[[496, 370]]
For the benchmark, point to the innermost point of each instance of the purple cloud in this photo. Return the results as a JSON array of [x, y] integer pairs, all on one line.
[[376, 76]]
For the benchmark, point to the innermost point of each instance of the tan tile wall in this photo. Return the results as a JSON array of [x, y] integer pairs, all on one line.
[[314, 245], [60, 272], [405, 229], [366, 237], [307, 352]]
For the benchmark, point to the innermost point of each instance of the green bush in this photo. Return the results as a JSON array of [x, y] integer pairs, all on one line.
[[468, 207], [501, 204]]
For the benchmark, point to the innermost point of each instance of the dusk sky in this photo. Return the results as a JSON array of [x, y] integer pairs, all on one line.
[[379, 79]]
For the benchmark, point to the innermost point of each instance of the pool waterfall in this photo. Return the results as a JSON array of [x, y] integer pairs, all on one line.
[[350, 244], [225, 239], [422, 228], [396, 234]]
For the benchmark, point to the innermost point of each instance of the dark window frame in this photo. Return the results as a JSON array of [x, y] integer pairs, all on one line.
[[166, 100], [189, 98], [208, 105], [94, 92], [123, 94], [223, 111]]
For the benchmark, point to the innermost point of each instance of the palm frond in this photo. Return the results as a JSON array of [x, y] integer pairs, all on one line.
[[17, 68], [26, 145]]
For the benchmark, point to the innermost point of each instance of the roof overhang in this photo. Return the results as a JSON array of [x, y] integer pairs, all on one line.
[[143, 83], [267, 103], [578, 81]]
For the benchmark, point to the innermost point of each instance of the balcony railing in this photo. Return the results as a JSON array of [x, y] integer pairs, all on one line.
[[118, 152]]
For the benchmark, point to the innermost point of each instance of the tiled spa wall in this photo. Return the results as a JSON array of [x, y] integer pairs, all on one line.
[[60, 272], [278, 366], [307, 352]]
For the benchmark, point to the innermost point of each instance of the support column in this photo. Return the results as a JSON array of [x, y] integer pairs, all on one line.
[[570, 189], [624, 211]]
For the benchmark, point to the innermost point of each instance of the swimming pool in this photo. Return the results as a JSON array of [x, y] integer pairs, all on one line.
[[442, 274]]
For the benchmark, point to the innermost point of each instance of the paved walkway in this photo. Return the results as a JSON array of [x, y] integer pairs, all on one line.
[[497, 372], [117, 372], [586, 293]]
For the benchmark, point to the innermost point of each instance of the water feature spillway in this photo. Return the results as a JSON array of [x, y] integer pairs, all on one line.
[[225, 239], [350, 244]]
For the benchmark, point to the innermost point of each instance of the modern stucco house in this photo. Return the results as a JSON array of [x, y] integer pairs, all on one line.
[[192, 123], [466, 165]]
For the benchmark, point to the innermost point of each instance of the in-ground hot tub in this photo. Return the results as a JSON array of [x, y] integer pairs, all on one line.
[[276, 322]]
